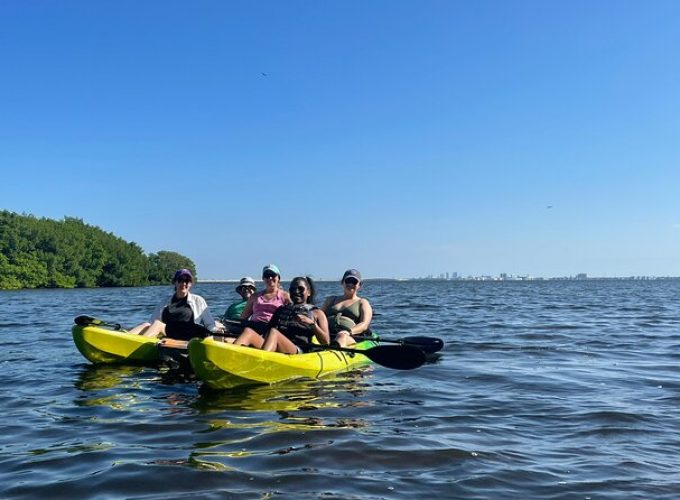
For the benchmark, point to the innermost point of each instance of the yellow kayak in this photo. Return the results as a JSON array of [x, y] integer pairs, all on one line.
[[100, 344], [222, 365]]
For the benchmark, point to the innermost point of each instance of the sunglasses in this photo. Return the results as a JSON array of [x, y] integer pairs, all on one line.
[[268, 276], [184, 280], [351, 281], [300, 289]]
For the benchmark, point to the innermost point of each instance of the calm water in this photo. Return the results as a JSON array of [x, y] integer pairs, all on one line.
[[544, 390]]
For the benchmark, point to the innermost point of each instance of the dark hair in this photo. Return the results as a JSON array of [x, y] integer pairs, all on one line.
[[310, 286]]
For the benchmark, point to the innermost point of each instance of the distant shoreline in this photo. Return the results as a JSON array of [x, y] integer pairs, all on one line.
[[427, 280]]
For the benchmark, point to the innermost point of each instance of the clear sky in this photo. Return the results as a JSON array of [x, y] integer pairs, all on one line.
[[404, 138]]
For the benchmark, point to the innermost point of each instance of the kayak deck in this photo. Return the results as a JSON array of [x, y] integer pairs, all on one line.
[[222, 365]]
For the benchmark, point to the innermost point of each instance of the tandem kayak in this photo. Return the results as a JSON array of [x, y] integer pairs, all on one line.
[[105, 344], [222, 365]]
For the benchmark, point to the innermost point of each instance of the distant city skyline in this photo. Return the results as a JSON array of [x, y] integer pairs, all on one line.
[[482, 277]]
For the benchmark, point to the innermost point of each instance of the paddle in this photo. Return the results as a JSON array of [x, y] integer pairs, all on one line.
[[398, 357], [89, 320], [429, 345], [235, 322], [233, 326]]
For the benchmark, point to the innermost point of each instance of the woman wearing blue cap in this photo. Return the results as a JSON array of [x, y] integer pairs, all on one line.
[[182, 316], [348, 314], [261, 306]]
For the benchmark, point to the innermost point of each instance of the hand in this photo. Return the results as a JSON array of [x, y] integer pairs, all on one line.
[[306, 320]]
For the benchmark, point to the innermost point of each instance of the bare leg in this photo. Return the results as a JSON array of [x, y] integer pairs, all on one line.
[[344, 339], [139, 329], [155, 329], [277, 341], [249, 337]]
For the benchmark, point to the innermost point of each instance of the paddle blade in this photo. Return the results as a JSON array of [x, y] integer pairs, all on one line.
[[89, 320], [86, 320], [428, 345], [398, 357]]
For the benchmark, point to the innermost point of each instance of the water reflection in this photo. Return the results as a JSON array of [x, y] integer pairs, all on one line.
[[118, 387], [303, 394], [101, 377], [267, 421]]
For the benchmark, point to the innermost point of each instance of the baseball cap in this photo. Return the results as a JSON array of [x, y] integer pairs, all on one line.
[[182, 273], [272, 268], [247, 281], [351, 273]]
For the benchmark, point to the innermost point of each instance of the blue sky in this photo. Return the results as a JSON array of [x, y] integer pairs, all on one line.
[[401, 138]]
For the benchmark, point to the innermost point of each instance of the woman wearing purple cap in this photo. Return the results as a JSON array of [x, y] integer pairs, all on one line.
[[182, 316], [348, 314]]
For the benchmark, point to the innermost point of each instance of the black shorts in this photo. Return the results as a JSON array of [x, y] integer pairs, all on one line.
[[259, 326]]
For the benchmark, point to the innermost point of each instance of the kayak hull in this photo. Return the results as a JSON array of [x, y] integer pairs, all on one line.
[[102, 345], [223, 366]]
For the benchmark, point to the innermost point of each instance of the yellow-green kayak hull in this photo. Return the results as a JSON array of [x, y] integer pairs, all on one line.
[[105, 345], [222, 365]]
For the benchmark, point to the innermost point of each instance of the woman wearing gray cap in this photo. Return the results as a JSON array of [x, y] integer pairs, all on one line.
[[348, 314], [245, 289], [182, 316]]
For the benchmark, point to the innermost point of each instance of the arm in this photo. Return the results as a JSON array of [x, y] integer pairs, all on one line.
[[204, 317], [320, 327], [366, 317], [274, 321], [248, 311]]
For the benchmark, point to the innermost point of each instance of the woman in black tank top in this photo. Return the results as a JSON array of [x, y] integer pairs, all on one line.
[[176, 317]]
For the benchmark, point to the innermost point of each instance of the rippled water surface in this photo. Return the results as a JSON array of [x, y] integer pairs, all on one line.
[[544, 390]]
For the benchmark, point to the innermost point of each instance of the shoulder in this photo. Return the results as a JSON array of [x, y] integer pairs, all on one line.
[[196, 298]]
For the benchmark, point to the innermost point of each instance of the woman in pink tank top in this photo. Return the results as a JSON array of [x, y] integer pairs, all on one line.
[[261, 306]]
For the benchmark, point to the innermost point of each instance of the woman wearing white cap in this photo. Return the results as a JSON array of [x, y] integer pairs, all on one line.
[[245, 289], [182, 316], [261, 306], [348, 314]]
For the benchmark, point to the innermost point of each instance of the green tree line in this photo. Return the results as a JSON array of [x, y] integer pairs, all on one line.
[[46, 253]]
